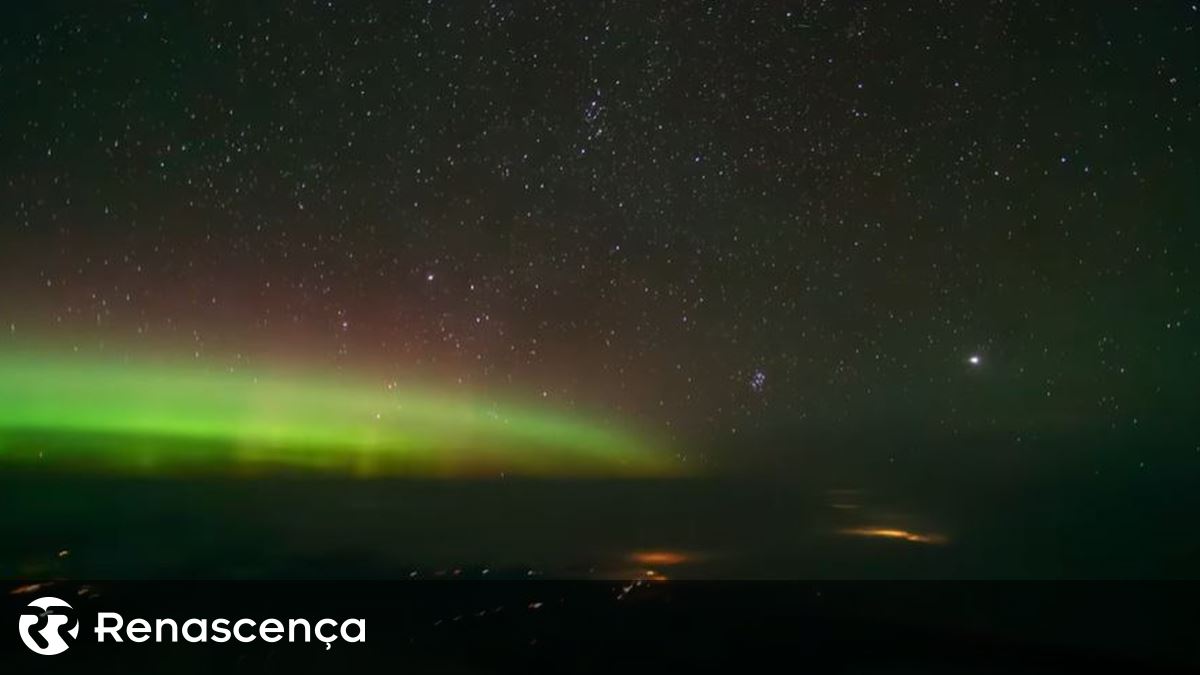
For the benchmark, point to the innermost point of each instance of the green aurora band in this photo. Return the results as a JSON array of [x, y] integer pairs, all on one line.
[[74, 413]]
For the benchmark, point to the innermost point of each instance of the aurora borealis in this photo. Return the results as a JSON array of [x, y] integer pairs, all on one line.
[[66, 412], [761, 282], [561, 314]]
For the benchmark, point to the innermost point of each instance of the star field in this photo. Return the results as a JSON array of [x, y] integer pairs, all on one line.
[[739, 225]]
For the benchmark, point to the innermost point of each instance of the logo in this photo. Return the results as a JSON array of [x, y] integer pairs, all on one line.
[[43, 623], [50, 626]]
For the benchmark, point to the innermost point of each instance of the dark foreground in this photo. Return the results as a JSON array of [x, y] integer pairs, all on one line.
[[560, 576], [1050, 526], [603, 627]]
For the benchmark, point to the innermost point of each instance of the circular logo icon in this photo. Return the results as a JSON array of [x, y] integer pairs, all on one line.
[[43, 624]]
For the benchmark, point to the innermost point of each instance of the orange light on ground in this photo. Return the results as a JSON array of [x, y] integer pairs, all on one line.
[[659, 558], [27, 588], [895, 533]]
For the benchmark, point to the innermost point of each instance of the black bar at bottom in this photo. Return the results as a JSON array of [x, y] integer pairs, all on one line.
[[610, 626]]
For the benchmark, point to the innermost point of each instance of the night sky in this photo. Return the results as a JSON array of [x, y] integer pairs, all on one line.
[[879, 232]]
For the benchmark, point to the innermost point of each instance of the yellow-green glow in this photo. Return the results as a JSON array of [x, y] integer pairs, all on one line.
[[115, 415]]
